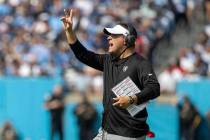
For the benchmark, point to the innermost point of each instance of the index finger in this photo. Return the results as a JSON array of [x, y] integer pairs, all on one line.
[[71, 14], [116, 99]]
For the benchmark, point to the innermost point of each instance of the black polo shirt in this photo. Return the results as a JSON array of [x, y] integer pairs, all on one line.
[[117, 120]]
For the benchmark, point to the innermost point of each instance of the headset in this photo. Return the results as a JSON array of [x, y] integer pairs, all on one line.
[[130, 39]]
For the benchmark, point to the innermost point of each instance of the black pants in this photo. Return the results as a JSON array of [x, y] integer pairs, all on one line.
[[86, 133], [57, 128]]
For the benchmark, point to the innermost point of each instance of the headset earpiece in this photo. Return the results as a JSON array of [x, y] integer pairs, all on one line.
[[130, 39]]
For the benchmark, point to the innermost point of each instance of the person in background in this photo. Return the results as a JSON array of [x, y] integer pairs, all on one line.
[[8, 132], [190, 120], [206, 7], [55, 104], [86, 115], [208, 120]]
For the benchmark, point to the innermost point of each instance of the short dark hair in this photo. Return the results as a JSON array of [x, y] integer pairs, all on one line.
[[130, 28]]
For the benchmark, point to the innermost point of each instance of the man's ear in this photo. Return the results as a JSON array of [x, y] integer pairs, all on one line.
[[125, 44]]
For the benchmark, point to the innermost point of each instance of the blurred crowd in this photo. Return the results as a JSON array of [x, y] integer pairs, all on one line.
[[32, 42], [192, 63]]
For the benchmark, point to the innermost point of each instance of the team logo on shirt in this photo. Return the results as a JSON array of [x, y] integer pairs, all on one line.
[[125, 68]]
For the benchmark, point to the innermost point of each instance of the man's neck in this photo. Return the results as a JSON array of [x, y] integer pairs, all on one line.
[[127, 53]]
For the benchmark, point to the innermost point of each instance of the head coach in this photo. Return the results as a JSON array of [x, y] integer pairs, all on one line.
[[120, 63]]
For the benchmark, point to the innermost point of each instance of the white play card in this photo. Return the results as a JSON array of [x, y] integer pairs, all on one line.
[[127, 88]]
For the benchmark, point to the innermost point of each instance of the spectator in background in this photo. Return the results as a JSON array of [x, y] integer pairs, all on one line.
[[86, 115], [201, 68], [55, 104], [206, 6], [167, 82], [190, 120], [179, 7], [208, 120], [170, 76], [202, 39], [8, 132]]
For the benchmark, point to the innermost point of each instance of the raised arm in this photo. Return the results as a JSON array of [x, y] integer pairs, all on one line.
[[87, 57], [68, 23]]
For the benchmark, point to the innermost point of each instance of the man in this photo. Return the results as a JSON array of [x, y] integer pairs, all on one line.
[[122, 63], [55, 105]]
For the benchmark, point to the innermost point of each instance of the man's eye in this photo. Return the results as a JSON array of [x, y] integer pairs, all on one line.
[[115, 36]]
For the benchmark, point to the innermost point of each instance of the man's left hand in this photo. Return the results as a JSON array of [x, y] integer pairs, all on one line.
[[122, 101]]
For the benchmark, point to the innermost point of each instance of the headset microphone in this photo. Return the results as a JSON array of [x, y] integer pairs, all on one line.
[[115, 58]]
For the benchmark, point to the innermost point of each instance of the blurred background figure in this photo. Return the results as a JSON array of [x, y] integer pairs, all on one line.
[[192, 125], [55, 104], [189, 120], [86, 117], [206, 6], [208, 120], [8, 132]]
